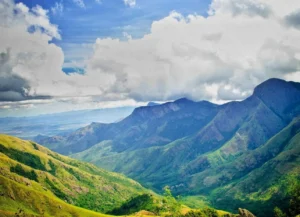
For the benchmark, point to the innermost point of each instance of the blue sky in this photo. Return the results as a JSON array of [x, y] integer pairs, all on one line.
[[81, 25], [83, 54]]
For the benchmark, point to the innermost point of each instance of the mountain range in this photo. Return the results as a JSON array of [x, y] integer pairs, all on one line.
[[239, 154], [28, 127]]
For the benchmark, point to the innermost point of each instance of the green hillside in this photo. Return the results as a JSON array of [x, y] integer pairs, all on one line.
[[259, 179], [204, 150], [232, 146], [38, 181], [35, 181], [256, 179]]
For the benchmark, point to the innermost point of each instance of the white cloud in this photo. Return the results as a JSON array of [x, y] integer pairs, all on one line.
[[240, 7], [58, 8], [219, 57], [241, 43], [130, 3], [79, 3], [127, 36], [28, 57], [36, 18]]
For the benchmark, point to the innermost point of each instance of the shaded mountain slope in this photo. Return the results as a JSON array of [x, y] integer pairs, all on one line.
[[269, 182], [198, 147], [145, 127]]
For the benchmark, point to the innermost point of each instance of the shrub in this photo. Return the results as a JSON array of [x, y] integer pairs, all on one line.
[[56, 190], [18, 169]]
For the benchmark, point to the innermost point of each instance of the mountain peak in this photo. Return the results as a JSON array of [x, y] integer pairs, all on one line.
[[152, 104], [183, 100], [270, 83], [278, 94], [271, 86]]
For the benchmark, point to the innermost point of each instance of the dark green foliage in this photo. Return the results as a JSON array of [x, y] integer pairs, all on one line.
[[278, 213], [53, 167], [78, 177], [173, 205], [295, 200], [294, 203], [193, 214], [135, 204], [72, 172], [206, 212], [56, 190], [89, 201], [35, 146], [26, 158], [18, 169], [209, 212]]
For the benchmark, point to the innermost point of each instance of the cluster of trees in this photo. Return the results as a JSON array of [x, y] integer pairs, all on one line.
[[55, 190], [206, 212], [294, 204], [168, 206], [135, 204], [18, 169]]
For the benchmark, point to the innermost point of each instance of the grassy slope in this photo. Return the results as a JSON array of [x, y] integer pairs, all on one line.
[[35, 201], [75, 182], [71, 182]]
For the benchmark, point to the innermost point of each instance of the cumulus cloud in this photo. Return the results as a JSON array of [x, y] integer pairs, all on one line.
[[18, 49], [240, 7], [241, 43], [12, 87], [219, 57], [293, 19]]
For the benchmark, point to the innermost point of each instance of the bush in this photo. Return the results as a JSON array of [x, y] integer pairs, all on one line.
[[209, 212], [53, 168], [295, 200], [135, 204], [56, 190], [35, 146], [278, 212], [18, 169]]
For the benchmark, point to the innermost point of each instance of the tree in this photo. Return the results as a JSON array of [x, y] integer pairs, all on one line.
[[173, 205], [295, 201], [294, 205], [278, 212]]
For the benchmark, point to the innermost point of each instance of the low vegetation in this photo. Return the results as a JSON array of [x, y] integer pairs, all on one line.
[[33, 179], [20, 171], [55, 185], [294, 203]]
